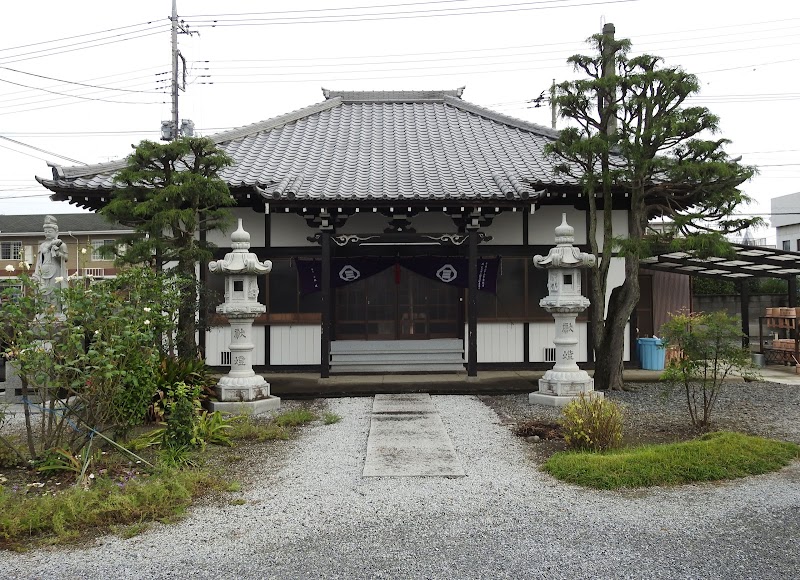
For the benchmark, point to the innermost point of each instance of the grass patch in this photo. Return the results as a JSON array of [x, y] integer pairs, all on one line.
[[712, 457], [248, 429], [331, 418], [67, 515], [295, 417]]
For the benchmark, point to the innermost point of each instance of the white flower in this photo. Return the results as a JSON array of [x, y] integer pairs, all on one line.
[[83, 250], [97, 332], [10, 268], [146, 309], [58, 279], [147, 322]]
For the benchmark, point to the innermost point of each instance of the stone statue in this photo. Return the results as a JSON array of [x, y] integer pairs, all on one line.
[[50, 271]]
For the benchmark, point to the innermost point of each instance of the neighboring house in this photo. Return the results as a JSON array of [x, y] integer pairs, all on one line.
[[785, 218], [83, 233], [380, 211]]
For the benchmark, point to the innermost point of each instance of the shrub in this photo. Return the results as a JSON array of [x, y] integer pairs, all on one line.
[[711, 349], [592, 423], [95, 367], [174, 371]]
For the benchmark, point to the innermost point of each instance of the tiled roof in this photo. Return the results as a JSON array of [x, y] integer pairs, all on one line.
[[405, 145], [67, 222]]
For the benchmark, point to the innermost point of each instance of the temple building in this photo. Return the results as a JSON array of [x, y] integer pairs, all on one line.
[[401, 228]]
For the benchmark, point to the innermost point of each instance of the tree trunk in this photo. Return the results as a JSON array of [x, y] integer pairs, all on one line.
[[187, 325], [610, 351]]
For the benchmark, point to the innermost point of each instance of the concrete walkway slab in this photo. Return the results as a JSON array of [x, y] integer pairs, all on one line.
[[407, 438]]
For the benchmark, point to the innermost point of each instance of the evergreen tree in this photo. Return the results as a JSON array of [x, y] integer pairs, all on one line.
[[632, 138], [171, 194]]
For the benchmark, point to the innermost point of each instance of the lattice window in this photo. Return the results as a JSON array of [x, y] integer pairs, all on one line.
[[10, 250], [97, 255]]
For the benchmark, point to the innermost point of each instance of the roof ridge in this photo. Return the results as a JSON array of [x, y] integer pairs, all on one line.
[[438, 95], [275, 122], [501, 118]]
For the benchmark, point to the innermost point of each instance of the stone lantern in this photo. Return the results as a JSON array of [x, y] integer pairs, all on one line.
[[565, 381], [241, 389]]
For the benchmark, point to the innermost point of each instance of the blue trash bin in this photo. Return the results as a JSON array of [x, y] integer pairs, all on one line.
[[651, 353]]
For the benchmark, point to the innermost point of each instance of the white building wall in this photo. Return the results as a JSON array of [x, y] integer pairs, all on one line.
[[619, 226], [500, 341], [506, 229], [289, 229], [543, 222], [788, 233], [295, 344], [252, 222]]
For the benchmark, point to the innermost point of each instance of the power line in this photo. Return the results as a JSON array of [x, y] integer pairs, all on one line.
[[72, 82], [41, 150], [58, 51], [404, 15], [76, 36], [77, 96]]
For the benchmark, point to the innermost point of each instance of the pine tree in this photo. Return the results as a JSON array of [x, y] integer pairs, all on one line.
[[634, 138], [170, 194]]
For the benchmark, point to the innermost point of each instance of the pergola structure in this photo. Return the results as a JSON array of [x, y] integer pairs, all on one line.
[[748, 262]]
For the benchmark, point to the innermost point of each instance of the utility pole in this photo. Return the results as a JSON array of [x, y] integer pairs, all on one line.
[[173, 128], [174, 132], [609, 69], [553, 107]]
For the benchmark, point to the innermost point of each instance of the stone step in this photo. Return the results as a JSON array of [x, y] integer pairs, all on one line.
[[379, 368]]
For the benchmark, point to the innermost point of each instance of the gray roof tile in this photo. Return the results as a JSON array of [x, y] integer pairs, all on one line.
[[375, 146], [67, 222]]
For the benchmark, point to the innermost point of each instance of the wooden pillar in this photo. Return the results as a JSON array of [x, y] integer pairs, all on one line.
[[327, 296], [744, 295], [472, 310]]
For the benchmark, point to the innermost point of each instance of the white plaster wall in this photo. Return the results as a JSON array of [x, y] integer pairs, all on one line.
[[295, 344], [252, 222], [289, 229], [506, 229], [619, 226], [218, 340], [500, 341], [542, 224]]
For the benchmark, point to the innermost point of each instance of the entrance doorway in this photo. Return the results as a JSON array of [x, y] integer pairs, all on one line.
[[397, 304]]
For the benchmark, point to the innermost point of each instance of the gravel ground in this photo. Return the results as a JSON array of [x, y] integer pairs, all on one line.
[[310, 514]]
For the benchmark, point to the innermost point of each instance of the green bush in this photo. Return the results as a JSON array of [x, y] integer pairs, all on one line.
[[174, 371], [711, 349], [592, 423]]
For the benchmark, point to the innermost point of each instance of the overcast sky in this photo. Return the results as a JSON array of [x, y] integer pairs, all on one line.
[[87, 79]]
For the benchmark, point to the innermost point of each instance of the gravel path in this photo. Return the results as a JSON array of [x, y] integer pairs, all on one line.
[[310, 514]]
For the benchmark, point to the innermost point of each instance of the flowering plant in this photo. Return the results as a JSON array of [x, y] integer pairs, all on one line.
[[94, 368]]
